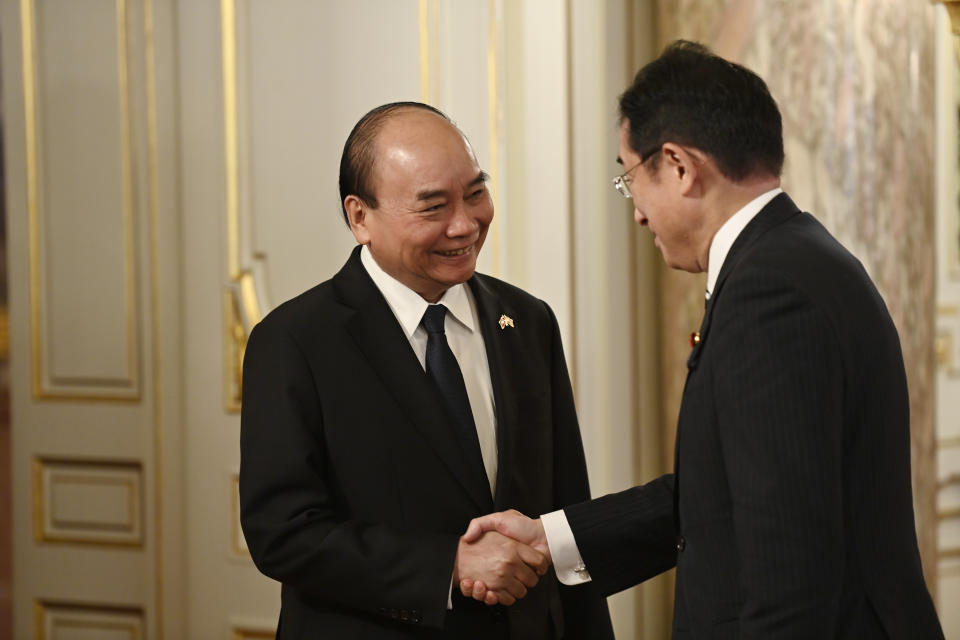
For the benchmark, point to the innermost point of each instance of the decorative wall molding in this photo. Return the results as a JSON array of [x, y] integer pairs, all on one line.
[[62, 621], [238, 543], [88, 502], [953, 10], [254, 633], [947, 345], [82, 169]]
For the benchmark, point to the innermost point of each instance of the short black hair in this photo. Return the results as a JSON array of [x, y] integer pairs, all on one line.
[[693, 97], [356, 163]]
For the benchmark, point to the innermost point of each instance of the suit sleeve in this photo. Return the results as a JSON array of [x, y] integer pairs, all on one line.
[[627, 537], [779, 397], [296, 528], [584, 608]]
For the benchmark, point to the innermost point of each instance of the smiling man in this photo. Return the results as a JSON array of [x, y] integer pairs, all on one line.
[[385, 408]]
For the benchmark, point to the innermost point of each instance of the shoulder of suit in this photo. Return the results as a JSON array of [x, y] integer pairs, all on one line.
[[314, 306], [510, 294], [804, 256], [801, 242]]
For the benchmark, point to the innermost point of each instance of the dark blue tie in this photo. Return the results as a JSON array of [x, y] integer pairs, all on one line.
[[443, 370]]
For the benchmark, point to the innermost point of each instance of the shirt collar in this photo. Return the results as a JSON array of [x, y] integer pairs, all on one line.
[[408, 306], [727, 234]]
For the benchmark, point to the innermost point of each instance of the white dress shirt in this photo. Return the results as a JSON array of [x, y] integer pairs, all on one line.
[[462, 326], [567, 562]]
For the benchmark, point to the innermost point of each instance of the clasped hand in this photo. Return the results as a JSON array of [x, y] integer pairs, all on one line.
[[501, 556]]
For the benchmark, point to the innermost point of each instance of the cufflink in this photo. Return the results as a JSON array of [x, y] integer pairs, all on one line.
[[581, 571], [694, 339]]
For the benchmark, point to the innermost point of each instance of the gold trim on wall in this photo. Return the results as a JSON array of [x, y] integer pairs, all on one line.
[[30, 156], [29, 69], [949, 513], [235, 543], [41, 536], [234, 334], [493, 43], [428, 15], [944, 344], [234, 347], [228, 34], [153, 206], [424, 51], [949, 443], [40, 608], [249, 633], [242, 310], [953, 10]]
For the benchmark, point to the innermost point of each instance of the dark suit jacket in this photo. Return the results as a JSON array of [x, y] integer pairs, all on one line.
[[354, 490], [791, 490]]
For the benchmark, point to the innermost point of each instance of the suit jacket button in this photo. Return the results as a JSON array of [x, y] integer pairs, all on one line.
[[681, 544]]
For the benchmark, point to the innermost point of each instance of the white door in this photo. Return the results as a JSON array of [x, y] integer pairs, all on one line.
[[90, 198]]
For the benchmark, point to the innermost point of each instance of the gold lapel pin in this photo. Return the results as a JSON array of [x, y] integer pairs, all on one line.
[[505, 321]]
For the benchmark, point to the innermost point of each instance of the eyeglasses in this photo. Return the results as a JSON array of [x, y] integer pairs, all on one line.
[[622, 182]]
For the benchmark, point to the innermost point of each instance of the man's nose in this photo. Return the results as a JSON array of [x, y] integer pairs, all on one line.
[[462, 223]]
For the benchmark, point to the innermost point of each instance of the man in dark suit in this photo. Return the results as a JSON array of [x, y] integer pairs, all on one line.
[[789, 513], [370, 438]]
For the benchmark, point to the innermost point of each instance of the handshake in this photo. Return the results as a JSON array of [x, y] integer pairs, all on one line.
[[500, 556]]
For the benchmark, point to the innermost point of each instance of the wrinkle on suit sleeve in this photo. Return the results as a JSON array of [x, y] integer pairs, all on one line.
[[296, 532], [627, 537], [779, 400]]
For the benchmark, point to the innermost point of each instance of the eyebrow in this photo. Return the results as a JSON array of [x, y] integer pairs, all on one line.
[[482, 177]]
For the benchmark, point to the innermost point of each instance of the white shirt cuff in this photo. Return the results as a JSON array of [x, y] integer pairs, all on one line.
[[567, 562]]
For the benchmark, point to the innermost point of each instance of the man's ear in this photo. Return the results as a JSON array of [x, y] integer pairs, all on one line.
[[684, 164], [357, 216]]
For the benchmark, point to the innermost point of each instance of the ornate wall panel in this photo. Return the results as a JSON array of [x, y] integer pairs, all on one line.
[[81, 170], [855, 84], [63, 621], [244, 633], [88, 502]]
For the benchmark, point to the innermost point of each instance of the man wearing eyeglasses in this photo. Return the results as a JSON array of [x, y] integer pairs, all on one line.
[[789, 513], [385, 408]]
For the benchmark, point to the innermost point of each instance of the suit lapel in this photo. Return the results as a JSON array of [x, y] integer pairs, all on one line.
[[774, 213], [502, 375], [380, 338]]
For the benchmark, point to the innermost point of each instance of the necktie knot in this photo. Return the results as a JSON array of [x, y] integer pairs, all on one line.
[[433, 318]]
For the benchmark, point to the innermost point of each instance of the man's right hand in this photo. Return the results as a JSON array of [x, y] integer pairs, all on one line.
[[505, 567], [515, 525]]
